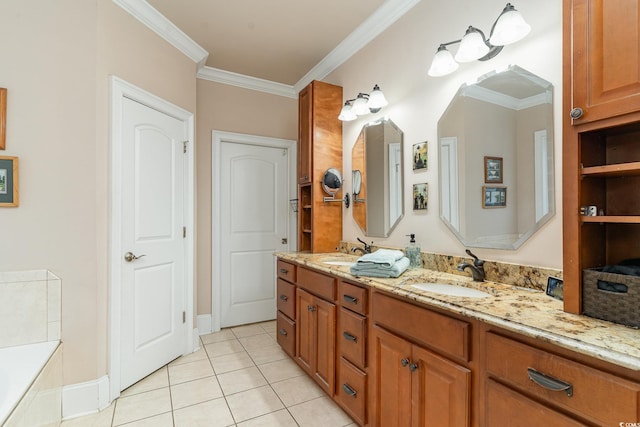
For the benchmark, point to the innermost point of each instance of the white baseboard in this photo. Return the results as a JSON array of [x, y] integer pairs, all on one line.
[[85, 398], [204, 324], [195, 345]]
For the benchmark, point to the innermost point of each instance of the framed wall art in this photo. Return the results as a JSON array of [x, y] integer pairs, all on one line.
[[420, 156], [420, 196], [8, 181], [494, 197], [3, 118], [492, 170]]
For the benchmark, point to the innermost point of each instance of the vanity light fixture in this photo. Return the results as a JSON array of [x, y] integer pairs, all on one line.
[[362, 104], [508, 28]]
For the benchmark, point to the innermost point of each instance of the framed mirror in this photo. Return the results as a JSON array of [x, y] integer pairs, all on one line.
[[496, 161], [378, 178]]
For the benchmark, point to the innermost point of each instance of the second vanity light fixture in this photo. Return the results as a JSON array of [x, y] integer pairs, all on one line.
[[364, 103], [508, 28]]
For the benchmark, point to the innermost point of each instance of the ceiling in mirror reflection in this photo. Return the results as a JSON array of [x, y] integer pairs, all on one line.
[[507, 116], [377, 167]]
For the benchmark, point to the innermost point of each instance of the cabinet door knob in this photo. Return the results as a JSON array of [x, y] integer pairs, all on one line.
[[549, 383], [283, 332], [413, 367], [283, 298], [576, 113], [311, 308], [404, 362]]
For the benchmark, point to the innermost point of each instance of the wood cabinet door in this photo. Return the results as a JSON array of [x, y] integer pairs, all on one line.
[[325, 335], [441, 391], [605, 57], [305, 330], [391, 380], [305, 135]]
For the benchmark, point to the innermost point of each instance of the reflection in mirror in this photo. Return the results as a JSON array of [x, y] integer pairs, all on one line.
[[331, 181], [496, 159], [378, 178]]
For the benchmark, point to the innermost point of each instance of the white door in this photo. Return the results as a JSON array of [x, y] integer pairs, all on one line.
[[153, 329], [254, 216]]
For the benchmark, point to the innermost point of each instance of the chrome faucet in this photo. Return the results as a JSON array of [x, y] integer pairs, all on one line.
[[365, 250], [477, 268]]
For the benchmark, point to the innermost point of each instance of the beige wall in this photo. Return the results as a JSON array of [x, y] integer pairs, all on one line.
[[398, 61], [56, 61], [230, 109]]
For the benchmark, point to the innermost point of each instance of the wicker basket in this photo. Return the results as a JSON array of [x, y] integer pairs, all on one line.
[[613, 305]]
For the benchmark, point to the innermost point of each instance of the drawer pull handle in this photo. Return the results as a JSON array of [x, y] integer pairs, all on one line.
[[347, 389], [549, 383], [349, 337], [349, 298], [284, 271], [283, 298], [283, 332], [404, 362]]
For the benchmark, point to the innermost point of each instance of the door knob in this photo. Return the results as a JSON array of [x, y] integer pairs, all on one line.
[[129, 257]]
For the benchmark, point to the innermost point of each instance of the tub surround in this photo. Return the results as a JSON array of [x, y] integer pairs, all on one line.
[[527, 311]]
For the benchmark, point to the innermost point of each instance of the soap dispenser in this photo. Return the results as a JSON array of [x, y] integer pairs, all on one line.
[[412, 251]]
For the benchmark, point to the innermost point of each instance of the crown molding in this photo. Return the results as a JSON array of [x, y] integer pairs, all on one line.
[[156, 22], [379, 21], [247, 82], [497, 98]]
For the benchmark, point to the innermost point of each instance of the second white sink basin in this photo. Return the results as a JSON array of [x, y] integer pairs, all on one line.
[[450, 290], [338, 262]]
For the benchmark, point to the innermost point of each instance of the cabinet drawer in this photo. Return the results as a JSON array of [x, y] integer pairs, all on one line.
[[352, 331], [596, 395], [351, 391], [286, 271], [286, 334], [502, 404], [432, 330], [317, 283], [287, 298], [353, 297]]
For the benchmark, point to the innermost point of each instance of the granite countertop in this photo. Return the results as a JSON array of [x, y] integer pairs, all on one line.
[[525, 311]]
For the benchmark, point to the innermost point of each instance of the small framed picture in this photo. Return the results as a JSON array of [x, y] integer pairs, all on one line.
[[420, 196], [494, 197], [492, 170], [420, 156], [8, 181]]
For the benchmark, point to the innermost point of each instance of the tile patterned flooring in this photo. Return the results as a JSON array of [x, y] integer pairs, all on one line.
[[239, 377]]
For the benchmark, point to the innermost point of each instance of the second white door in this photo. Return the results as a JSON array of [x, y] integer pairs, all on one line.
[[254, 223]]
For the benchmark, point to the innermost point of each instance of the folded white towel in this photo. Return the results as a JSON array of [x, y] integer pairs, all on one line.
[[383, 257]]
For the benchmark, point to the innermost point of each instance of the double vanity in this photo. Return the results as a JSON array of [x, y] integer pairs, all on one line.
[[436, 348]]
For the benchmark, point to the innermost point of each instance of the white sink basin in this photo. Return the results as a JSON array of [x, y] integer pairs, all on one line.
[[450, 290], [338, 262]]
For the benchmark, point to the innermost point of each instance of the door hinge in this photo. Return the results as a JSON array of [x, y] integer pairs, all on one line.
[[184, 232], [185, 144], [184, 317]]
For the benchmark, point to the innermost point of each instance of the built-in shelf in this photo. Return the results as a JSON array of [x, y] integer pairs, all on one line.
[[619, 169], [614, 219]]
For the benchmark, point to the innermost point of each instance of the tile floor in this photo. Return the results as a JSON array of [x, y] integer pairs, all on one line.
[[239, 377]]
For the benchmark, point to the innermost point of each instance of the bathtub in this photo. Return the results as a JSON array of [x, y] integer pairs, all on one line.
[[20, 366]]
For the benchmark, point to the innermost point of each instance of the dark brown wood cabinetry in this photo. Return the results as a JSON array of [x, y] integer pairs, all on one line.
[[319, 148], [601, 131], [286, 301]]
